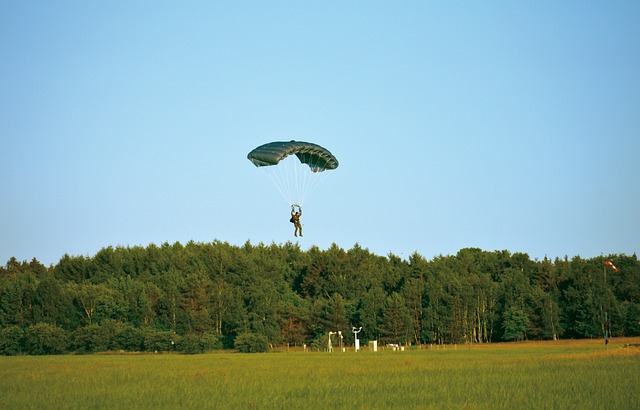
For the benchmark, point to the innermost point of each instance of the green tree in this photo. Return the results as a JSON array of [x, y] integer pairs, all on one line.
[[222, 300], [436, 312], [329, 315], [396, 320], [580, 299], [90, 297], [144, 298], [196, 299], [51, 304], [73, 269], [11, 340], [413, 292], [515, 323], [369, 313], [630, 315], [293, 315], [16, 298]]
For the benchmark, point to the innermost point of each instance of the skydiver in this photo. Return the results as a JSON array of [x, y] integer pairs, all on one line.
[[295, 219]]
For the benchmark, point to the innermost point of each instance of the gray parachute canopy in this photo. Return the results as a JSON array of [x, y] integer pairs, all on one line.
[[319, 159]]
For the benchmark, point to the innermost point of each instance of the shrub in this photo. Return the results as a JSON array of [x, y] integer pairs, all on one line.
[[90, 339], [129, 338], [155, 341], [251, 343], [43, 338], [320, 342], [193, 343]]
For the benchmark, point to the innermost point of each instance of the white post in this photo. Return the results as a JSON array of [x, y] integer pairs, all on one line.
[[355, 332], [329, 346]]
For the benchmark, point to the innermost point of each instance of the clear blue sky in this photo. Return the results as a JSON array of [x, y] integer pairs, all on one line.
[[498, 125]]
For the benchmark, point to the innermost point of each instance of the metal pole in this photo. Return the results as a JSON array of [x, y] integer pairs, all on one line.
[[606, 308]]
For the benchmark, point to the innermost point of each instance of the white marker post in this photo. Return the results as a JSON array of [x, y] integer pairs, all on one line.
[[355, 332]]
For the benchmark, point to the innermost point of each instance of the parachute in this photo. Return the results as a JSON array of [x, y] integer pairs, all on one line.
[[296, 168]]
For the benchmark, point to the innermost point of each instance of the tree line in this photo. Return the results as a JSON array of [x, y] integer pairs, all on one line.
[[203, 296]]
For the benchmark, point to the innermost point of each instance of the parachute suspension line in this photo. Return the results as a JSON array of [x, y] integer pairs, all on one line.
[[281, 178], [273, 176], [304, 179], [296, 177], [301, 177], [312, 179]]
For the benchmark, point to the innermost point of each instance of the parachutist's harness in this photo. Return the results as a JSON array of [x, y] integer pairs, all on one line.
[[295, 216]]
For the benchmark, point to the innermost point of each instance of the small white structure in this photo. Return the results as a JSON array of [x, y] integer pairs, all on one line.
[[329, 345], [373, 345], [355, 332]]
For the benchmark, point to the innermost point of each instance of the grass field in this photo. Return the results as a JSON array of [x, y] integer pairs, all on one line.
[[566, 375]]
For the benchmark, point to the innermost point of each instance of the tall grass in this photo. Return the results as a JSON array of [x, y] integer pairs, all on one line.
[[499, 376]]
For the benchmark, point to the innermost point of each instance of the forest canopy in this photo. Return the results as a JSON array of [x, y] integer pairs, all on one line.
[[202, 296]]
